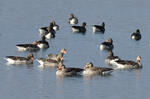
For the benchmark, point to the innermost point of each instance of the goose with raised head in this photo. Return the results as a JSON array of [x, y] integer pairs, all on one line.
[[43, 44], [110, 59], [50, 62], [55, 26], [136, 35]]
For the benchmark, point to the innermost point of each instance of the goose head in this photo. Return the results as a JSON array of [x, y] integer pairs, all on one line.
[[63, 50], [61, 66], [30, 56], [71, 15], [138, 31], [109, 40], [138, 59], [88, 65], [83, 24], [103, 24]]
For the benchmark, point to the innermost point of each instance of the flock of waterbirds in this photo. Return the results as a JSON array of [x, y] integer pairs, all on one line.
[[57, 60]]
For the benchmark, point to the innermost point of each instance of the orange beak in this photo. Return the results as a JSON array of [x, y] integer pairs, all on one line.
[[59, 67], [86, 66]]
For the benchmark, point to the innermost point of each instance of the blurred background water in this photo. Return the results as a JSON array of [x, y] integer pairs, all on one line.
[[20, 21]]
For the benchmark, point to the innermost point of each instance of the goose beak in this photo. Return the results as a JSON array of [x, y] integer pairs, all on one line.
[[62, 58], [65, 52], [59, 68], [86, 66], [32, 58]]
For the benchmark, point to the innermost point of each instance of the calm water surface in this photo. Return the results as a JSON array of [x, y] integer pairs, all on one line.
[[20, 21]]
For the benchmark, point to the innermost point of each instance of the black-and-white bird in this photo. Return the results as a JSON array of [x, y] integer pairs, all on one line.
[[79, 29], [99, 28], [128, 64], [110, 59], [73, 20], [43, 44], [136, 35], [107, 45]]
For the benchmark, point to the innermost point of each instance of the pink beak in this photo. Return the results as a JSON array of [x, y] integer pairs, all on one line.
[[32, 58], [65, 52], [62, 58], [59, 67], [86, 66]]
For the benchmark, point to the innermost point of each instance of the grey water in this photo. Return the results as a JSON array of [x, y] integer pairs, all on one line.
[[20, 21]]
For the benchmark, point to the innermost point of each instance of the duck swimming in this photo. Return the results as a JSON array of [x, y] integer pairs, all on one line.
[[99, 28], [107, 45], [136, 35], [90, 69], [73, 20], [20, 60], [62, 70], [55, 56], [111, 59], [28, 47], [79, 29], [128, 64]]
